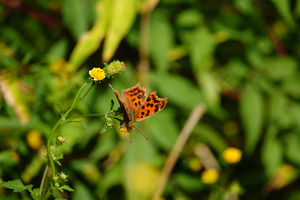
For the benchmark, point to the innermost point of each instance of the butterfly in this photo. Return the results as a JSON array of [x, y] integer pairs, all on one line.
[[136, 107]]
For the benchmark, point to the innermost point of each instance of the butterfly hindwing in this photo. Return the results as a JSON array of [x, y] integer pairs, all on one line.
[[152, 105]]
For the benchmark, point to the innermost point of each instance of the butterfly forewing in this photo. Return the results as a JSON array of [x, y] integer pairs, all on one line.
[[134, 97], [152, 105]]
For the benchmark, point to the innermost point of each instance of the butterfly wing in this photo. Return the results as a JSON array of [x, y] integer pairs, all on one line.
[[124, 107], [134, 97], [152, 105]]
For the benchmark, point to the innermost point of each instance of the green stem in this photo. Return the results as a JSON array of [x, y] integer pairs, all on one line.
[[87, 115], [48, 194], [74, 104]]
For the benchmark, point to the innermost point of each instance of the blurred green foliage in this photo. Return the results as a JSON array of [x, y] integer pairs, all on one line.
[[239, 58]]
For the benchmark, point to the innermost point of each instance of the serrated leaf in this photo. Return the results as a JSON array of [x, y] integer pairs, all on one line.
[[35, 194], [15, 185], [66, 187], [29, 187], [251, 109]]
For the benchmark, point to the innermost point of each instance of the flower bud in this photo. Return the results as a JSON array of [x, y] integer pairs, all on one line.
[[55, 179], [114, 68], [60, 140], [63, 176]]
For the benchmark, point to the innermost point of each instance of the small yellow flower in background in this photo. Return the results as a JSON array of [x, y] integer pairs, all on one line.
[[34, 139], [91, 173], [97, 74], [195, 164], [232, 155], [209, 176], [142, 177]]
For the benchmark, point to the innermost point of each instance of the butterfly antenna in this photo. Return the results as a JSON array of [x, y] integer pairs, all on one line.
[[141, 133], [130, 137]]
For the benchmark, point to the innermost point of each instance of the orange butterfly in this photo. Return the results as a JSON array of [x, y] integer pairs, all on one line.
[[134, 108]]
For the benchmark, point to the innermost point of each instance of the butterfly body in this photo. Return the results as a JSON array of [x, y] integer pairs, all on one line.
[[136, 107]]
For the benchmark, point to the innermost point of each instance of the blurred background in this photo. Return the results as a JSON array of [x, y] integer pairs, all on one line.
[[237, 57]]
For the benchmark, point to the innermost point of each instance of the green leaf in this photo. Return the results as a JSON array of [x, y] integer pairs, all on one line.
[[275, 70], [283, 7], [164, 129], [112, 103], [105, 144], [83, 125], [73, 11], [15, 185], [272, 147], [57, 162], [210, 136], [292, 141], [189, 18], [119, 25], [59, 156], [160, 44], [59, 107], [188, 183], [57, 50], [251, 109], [66, 187], [173, 85], [81, 192]]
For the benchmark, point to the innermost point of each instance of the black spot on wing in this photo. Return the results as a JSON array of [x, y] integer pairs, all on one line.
[[148, 111], [133, 100], [148, 99], [143, 107], [139, 96], [135, 104]]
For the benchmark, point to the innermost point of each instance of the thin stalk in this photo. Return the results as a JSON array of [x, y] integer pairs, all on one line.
[[65, 115], [43, 181], [193, 119]]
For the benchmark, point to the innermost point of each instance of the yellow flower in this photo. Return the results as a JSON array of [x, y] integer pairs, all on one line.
[[34, 139], [232, 155], [209, 176], [142, 177], [195, 164], [97, 74]]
